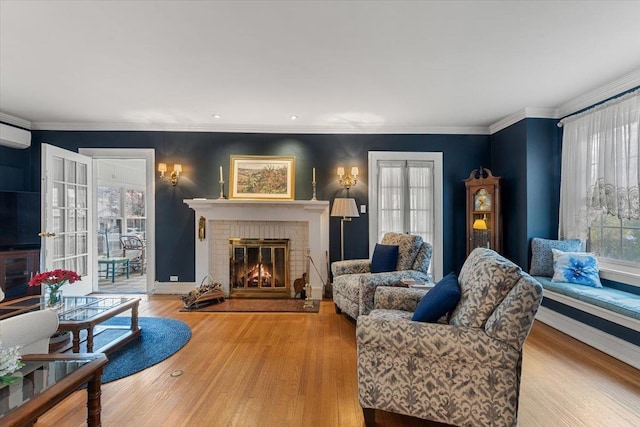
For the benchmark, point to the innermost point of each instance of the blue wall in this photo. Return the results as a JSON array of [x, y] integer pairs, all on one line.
[[527, 156], [201, 154]]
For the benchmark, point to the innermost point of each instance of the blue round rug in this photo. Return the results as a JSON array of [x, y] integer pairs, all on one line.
[[160, 338]]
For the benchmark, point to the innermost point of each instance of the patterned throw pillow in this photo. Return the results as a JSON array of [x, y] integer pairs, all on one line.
[[576, 267], [385, 258], [542, 258]]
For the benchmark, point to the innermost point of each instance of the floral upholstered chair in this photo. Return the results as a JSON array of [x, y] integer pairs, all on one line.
[[354, 285], [464, 372]]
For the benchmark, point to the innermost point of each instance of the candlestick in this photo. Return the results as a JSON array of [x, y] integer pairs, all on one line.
[[221, 182], [314, 190]]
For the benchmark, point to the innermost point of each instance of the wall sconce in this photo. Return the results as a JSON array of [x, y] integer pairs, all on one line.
[[348, 181], [173, 178]]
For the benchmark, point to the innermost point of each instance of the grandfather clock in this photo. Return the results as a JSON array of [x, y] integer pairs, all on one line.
[[484, 221]]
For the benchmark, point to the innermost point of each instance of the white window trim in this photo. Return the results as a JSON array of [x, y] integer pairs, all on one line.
[[619, 271], [436, 158]]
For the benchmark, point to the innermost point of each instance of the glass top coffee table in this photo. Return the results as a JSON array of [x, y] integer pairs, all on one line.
[[45, 380], [88, 313], [78, 314]]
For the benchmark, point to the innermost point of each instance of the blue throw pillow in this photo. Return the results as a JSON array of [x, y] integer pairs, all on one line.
[[385, 258], [576, 267], [542, 258], [438, 301]]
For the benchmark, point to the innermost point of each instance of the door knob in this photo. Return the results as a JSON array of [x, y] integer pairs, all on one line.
[[46, 234]]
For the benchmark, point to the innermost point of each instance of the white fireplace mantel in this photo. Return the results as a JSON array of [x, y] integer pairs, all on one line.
[[314, 212]]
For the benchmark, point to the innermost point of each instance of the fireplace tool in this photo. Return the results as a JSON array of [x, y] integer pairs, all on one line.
[[308, 302]]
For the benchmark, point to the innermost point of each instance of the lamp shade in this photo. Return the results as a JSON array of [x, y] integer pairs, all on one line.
[[480, 224], [345, 207]]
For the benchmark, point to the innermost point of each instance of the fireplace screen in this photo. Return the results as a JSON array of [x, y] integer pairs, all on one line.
[[259, 264]]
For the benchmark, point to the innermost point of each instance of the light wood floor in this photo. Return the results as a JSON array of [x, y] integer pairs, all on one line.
[[290, 369]]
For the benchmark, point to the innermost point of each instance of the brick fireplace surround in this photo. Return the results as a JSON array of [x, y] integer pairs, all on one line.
[[304, 223]]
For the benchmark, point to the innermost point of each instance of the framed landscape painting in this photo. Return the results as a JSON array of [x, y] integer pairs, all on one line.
[[262, 177]]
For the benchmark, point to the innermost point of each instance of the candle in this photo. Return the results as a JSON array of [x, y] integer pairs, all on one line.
[[221, 173], [314, 174]]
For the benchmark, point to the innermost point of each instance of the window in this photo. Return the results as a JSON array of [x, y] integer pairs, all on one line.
[[615, 239], [405, 202], [405, 196], [599, 200], [135, 213]]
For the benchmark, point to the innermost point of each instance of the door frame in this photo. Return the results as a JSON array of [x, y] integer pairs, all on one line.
[[149, 156]]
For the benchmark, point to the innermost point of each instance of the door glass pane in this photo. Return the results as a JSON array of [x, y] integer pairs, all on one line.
[[71, 264], [70, 245], [70, 171], [81, 197], [58, 246], [81, 220], [82, 174], [82, 265], [58, 192], [82, 243], [71, 196], [58, 169], [57, 220], [71, 219]]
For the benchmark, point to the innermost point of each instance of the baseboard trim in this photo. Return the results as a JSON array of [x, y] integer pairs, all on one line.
[[613, 346]]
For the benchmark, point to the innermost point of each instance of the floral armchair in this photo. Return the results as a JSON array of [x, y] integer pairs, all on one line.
[[463, 372], [354, 285]]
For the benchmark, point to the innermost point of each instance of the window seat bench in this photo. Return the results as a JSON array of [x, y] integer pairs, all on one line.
[[613, 305]]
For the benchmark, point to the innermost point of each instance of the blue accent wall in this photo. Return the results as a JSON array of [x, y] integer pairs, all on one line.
[[15, 169], [201, 154], [527, 156]]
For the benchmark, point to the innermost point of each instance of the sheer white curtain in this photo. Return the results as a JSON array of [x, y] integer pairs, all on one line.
[[600, 165], [405, 198]]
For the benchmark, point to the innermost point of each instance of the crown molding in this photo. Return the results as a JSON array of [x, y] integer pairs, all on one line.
[[195, 127], [16, 121], [605, 92], [525, 113]]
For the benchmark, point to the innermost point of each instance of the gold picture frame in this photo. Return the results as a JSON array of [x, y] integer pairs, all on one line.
[[262, 177]]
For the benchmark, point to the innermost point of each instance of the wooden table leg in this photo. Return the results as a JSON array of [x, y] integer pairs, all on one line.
[[90, 338], [94, 405], [134, 317], [75, 341]]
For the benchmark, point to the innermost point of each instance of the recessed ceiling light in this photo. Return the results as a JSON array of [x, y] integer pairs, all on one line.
[[294, 117], [216, 116]]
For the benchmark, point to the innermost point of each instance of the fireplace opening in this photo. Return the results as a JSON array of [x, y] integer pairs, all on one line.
[[258, 267]]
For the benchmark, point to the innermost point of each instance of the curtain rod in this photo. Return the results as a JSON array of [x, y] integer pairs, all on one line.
[[604, 104]]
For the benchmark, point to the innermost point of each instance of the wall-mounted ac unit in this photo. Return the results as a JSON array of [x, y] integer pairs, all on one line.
[[14, 137]]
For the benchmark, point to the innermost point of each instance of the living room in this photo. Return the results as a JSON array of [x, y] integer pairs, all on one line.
[[520, 142]]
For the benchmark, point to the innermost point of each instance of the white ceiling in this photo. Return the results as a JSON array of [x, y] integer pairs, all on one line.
[[381, 67]]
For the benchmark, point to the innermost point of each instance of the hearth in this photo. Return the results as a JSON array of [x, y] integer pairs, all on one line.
[[258, 267], [304, 223]]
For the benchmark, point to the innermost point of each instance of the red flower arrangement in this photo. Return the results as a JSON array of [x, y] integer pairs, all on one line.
[[54, 280]]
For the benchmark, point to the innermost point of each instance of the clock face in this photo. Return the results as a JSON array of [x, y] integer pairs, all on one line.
[[482, 200]]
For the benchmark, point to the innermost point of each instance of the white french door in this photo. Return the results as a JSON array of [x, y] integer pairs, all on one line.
[[67, 216]]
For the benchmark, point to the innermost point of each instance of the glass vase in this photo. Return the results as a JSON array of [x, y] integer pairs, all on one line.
[[53, 297]]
